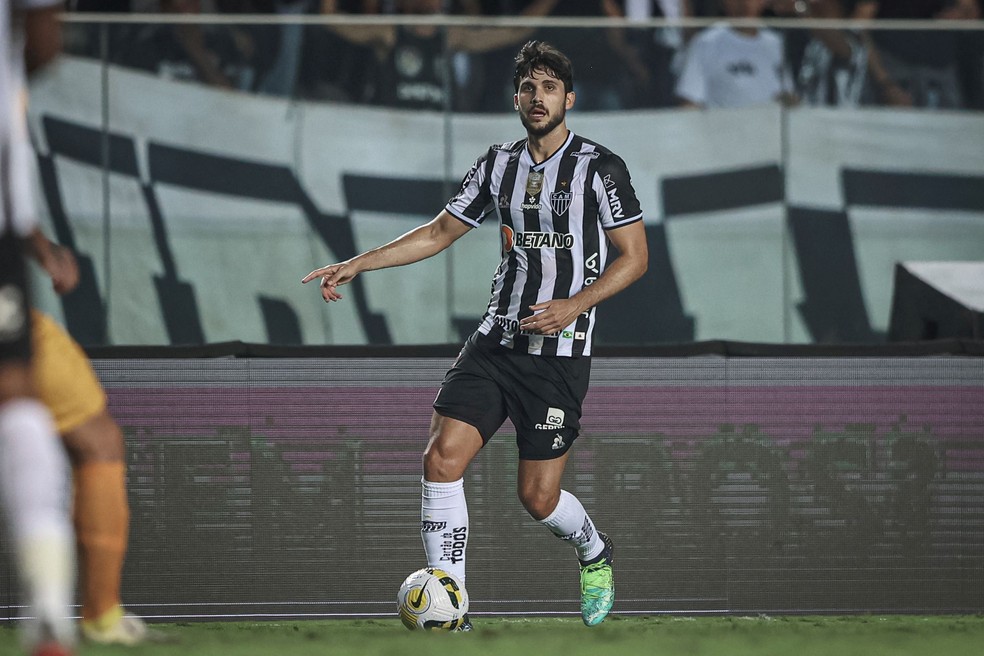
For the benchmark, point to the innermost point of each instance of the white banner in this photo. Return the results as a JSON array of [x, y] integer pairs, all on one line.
[[236, 197]]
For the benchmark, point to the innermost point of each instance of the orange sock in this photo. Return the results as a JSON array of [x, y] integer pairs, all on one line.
[[102, 520]]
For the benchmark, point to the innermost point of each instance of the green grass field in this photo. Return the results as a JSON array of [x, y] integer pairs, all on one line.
[[896, 635]]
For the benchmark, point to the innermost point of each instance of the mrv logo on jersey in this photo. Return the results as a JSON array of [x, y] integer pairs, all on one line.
[[613, 201]]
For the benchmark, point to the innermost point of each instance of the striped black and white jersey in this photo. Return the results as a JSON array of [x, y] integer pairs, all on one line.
[[552, 217]]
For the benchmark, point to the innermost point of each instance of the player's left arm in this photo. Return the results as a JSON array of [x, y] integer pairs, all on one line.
[[553, 316]]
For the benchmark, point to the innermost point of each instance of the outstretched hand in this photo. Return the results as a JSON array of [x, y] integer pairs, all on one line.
[[57, 261], [332, 276], [63, 269]]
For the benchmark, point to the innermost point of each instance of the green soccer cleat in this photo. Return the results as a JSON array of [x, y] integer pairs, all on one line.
[[598, 585]]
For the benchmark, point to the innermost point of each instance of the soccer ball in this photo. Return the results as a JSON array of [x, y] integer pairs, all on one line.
[[432, 598]]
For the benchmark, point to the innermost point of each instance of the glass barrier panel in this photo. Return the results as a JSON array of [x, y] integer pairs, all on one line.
[[784, 170]]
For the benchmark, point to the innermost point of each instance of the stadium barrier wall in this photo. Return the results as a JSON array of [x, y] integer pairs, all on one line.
[[779, 481], [764, 224]]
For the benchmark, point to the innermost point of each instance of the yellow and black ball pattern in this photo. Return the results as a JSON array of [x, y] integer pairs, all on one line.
[[432, 598]]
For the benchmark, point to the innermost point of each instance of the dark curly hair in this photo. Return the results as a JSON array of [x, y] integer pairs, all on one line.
[[543, 57]]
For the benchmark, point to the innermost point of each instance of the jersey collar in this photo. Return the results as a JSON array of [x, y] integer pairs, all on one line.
[[527, 159]]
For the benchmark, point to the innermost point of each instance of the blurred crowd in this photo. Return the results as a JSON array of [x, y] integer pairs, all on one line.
[[469, 69]]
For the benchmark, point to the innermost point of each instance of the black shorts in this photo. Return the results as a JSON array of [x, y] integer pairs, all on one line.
[[15, 320], [541, 395]]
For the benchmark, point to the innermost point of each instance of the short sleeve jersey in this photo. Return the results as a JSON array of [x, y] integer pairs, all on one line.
[[553, 217], [726, 68]]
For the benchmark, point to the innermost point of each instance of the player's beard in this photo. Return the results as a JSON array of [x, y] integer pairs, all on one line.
[[546, 128]]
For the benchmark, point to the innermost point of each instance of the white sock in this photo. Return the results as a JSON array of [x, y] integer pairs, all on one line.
[[571, 523], [444, 525], [34, 476]]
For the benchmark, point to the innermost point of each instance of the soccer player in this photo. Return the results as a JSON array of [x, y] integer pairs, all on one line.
[[68, 386], [33, 470], [561, 201]]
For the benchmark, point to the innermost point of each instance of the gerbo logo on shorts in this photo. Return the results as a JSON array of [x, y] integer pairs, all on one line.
[[555, 419]]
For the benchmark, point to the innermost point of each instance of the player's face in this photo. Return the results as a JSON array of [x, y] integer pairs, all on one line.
[[542, 103]]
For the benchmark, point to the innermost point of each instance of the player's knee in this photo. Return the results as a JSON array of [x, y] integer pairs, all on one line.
[[539, 503], [98, 439], [15, 380], [441, 464]]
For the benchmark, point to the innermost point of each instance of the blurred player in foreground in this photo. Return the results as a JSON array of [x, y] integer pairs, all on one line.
[[33, 471], [68, 386], [561, 201]]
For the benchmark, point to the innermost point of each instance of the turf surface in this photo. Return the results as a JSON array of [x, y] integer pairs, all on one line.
[[896, 635]]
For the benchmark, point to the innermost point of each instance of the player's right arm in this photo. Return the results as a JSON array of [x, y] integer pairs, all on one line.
[[42, 32], [57, 261], [418, 244]]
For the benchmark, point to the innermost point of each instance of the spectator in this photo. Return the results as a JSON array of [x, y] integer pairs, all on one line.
[[596, 53], [492, 70], [225, 56], [661, 50], [735, 66], [258, 57], [412, 60], [835, 67], [332, 67], [924, 63], [829, 66]]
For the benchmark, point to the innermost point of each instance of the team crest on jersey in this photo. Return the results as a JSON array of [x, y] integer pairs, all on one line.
[[560, 201]]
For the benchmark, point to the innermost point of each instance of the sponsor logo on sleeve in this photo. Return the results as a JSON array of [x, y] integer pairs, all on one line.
[[611, 189]]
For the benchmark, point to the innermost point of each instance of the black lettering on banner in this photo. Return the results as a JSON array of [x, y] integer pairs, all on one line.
[[189, 169], [184, 168]]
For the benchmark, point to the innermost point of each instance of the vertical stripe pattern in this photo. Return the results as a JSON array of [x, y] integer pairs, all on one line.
[[553, 216]]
